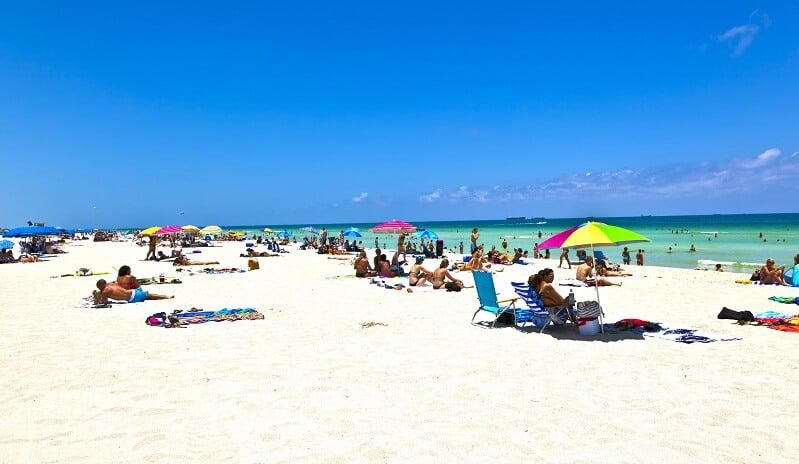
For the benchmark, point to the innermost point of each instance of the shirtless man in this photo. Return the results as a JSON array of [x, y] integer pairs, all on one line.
[[769, 274], [441, 274], [362, 267], [475, 235], [586, 271], [117, 292], [418, 274]]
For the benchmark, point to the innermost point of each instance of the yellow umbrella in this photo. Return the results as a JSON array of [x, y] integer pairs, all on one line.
[[267, 230], [150, 230], [210, 230], [191, 229]]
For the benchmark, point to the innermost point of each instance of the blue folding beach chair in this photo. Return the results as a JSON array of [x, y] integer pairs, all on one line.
[[487, 294], [542, 315]]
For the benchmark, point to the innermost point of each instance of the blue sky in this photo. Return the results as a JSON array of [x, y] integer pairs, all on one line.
[[117, 114]]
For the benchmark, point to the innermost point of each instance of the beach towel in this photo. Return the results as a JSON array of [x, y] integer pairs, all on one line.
[[572, 283], [784, 299], [778, 321], [686, 335], [179, 318], [211, 270]]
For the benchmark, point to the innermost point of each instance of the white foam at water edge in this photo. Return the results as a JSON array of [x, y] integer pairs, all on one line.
[[706, 262]]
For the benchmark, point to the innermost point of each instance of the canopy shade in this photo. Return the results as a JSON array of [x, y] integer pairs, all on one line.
[[31, 231]]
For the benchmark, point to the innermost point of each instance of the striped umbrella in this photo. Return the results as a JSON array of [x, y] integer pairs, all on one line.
[[168, 230], [394, 227]]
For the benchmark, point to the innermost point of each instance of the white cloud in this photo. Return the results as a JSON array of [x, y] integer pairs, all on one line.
[[432, 196], [742, 36], [796, 153], [703, 179], [360, 197], [762, 159]]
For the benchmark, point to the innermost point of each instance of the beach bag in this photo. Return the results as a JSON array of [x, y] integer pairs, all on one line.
[[452, 287], [740, 316]]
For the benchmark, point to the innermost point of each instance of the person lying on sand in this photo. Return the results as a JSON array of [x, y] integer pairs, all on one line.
[[115, 291], [603, 270], [185, 261], [252, 253], [586, 271], [440, 276]]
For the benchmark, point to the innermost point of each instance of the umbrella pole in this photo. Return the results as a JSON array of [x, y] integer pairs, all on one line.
[[596, 288]]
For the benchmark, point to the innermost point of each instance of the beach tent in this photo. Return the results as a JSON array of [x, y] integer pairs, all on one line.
[[791, 276], [31, 231]]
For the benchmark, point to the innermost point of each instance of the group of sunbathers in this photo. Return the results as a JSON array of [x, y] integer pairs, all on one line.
[[125, 288]]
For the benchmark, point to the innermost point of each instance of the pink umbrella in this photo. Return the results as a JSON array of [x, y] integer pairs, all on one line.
[[168, 230], [394, 227]]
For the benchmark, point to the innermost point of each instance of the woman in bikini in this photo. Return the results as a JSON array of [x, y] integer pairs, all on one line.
[[125, 280]]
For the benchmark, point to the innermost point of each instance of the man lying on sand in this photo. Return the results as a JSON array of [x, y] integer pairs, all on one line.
[[115, 291], [586, 271]]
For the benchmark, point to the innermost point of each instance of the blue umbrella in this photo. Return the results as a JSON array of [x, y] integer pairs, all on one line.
[[31, 231], [6, 244], [285, 233], [352, 232], [427, 234]]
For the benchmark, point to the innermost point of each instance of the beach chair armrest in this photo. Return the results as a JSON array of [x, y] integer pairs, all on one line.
[[508, 299]]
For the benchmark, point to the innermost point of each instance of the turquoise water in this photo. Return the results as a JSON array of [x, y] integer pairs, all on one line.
[[732, 240]]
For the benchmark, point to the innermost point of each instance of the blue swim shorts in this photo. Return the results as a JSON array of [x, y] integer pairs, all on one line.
[[138, 296]]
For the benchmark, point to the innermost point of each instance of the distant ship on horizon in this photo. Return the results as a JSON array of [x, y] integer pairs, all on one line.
[[524, 220]]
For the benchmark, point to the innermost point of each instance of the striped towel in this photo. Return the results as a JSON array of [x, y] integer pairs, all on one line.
[[683, 335]]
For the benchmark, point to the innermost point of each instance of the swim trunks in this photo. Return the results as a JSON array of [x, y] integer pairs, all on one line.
[[138, 296]]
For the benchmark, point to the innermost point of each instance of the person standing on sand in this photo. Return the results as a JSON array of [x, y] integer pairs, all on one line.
[[639, 258], [151, 248], [473, 238], [323, 237], [564, 254], [625, 256], [460, 248], [401, 245]]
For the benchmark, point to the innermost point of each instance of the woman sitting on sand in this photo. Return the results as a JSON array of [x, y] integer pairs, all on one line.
[[185, 261], [440, 276], [125, 280]]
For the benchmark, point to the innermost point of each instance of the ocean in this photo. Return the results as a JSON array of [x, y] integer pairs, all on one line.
[[740, 242]]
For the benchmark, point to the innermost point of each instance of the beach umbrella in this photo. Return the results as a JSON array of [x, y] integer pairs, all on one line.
[[593, 234], [6, 244], [31, 231], [394, 227], [150, 230], [284, 233], [168, 230], [427, 235], [311, 230], [190, 229], [352, 232], [267, 230], [213, 230]]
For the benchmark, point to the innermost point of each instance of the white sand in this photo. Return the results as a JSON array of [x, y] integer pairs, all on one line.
[[309, 384]]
